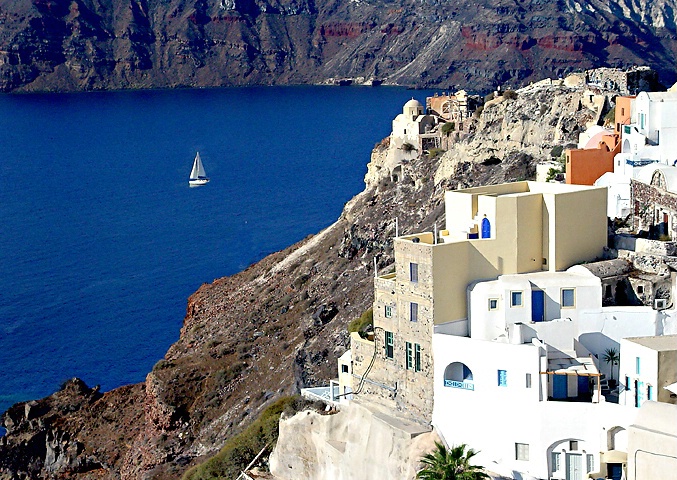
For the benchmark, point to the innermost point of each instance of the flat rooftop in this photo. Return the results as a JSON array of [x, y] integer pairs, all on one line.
[[662, 343]]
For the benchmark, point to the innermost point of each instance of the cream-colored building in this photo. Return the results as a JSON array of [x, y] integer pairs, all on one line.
[[489, 231]]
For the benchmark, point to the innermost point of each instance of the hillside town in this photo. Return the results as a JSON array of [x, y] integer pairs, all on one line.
[[537, 324]]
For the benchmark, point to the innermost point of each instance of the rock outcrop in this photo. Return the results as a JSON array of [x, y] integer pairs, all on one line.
[[50, 45], [280, 324]]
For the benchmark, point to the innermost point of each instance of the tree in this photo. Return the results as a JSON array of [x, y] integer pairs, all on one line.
[[611, 356], [450, 464]]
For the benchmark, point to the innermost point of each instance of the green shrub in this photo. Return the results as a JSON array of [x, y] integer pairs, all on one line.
[[478, 111], [556, 151], [610, 117], [448, 127], [510, 94], [241, 449], [434, 152], [408, 147], [363, 323]]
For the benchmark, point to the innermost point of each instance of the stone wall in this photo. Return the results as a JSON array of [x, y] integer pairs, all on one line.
[[626, 82], [647, 198]]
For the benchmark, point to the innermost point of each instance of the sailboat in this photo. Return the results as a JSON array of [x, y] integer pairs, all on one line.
[[198, 176]]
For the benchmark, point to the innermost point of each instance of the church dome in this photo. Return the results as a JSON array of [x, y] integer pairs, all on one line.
[[413, 104]]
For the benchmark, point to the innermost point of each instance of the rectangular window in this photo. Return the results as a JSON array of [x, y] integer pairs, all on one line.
[[493, 303], [413, 272], [528, 380], [568, 297], [637, 365], [417, 357], [589, 463], [642, 117], [649, 392], [515, 299], [413, 312], [555, 460], [344, 368], [502, 378], [522, 451], [389, 311], [573, 445], [390, 345], [410, 356], [627, 383]]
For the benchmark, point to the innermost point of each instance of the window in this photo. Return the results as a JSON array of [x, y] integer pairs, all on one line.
[[413, 272], [528, 380], [502, 378], [417, 357], [493, 303], [522, 451], [389, 311], [555, 460], [640, 289], [344, 368], [515, 299], [568, 297], [637, 365], [642, 119], [589, 463], [649, 392], [413, 312], [573, 445], [607, 291], [410, 356], [627, 383], [390, 345]]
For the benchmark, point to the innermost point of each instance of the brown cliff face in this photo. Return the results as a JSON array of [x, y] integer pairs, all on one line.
[[277, 326], [91, 44]]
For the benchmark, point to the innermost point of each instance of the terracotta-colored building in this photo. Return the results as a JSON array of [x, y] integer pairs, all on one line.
[[585, 165]]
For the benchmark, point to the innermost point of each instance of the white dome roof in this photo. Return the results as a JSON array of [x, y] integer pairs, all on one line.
[[413, 103]]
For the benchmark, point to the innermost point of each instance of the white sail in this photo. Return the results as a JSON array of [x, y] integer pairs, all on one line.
[[198, 169], [198, 176]]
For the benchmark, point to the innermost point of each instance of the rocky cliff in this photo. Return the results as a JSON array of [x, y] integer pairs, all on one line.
[[49, 45], [280, 324]]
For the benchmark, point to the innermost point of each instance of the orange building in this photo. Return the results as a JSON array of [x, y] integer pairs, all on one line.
[[585, 165]]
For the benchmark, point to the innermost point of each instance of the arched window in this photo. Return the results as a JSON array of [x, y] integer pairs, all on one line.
[[626, 146], [458, 375]]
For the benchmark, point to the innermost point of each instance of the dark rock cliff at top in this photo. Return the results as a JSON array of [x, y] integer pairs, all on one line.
[[96, 44]]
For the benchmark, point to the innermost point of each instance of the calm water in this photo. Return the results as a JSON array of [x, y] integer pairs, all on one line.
[[102, 240]]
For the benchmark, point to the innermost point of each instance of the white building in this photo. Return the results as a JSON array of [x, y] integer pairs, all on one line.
[[530, 372], [410, 125], [648, 366], [652, 134]]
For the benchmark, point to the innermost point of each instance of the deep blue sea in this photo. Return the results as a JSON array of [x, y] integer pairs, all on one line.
[[101, 239]]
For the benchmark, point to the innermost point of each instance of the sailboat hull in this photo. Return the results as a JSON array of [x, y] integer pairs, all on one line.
[[197, 182]]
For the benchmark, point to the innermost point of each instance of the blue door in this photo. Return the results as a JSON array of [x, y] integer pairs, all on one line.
[[559, 386], [486, 228], [583, 386], [537, 305], [614, 471]]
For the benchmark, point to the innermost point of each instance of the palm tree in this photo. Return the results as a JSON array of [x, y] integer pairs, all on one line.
[[611, 356], [450, 464]]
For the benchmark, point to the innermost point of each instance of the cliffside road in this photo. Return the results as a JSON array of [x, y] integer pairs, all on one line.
[[63, 45], [280, 324]]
